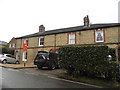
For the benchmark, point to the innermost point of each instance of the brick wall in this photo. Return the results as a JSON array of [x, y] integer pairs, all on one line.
[[85, 37], [61, 39], [112, 35]]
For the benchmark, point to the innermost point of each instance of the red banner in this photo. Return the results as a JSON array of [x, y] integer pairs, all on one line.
[[25, 47]]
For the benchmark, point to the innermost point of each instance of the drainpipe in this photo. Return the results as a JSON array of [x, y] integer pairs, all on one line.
[[55, 43], [20, 50]]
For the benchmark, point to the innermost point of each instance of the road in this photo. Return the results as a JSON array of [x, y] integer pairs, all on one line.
[[15, 78]]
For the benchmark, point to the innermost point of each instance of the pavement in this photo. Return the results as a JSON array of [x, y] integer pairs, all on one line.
[[18, 66]]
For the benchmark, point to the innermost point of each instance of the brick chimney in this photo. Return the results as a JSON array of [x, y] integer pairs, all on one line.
[[41, 28], [86, 21]]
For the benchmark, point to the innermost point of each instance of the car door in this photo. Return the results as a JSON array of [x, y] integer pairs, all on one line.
[[10, 59], [13, 59]]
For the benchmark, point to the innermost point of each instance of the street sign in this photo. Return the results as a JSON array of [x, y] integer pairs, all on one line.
[[25, 46]]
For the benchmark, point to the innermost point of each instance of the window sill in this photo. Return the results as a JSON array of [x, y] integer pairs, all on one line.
[[41, 45], [71, 44]]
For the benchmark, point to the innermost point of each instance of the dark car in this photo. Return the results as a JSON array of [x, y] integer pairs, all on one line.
[[46, 59]]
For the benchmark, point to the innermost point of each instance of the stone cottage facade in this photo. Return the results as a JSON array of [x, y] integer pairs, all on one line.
[[86, 35]]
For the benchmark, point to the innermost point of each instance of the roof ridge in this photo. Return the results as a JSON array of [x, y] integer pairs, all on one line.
[[71, 29]]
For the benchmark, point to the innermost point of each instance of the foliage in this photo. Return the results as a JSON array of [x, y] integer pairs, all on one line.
[[91, 61], [7, 50]]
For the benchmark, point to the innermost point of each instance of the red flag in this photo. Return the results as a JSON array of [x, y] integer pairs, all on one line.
[[25, 47]]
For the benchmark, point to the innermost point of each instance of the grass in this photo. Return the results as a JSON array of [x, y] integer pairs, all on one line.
[[93, 81]]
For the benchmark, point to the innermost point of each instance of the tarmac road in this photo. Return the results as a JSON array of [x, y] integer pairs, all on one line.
[[15, 78]]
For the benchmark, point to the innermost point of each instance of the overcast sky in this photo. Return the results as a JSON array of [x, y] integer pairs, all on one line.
[[22, 17]]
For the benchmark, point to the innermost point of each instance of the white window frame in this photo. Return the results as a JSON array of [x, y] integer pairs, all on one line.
[[40, 41], [10, 45], [72, 38], [24, 57], [25, 41], [13, 45], [101, 33]]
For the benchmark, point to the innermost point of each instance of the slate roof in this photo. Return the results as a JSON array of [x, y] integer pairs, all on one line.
[[71, 29]]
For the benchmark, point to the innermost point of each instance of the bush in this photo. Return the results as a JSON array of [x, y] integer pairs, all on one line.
[[7, 50], [91, 61]]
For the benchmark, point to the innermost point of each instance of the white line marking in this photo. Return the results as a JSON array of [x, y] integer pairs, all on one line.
[[13, 70], [75, 82], [29, 73]]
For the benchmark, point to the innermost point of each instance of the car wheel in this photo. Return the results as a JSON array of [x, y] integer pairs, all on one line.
[[52, 67], [4, 61], [39, 67], [17, 62]]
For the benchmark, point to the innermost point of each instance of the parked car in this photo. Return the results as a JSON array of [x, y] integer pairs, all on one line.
[[46, 59], [8, 58]]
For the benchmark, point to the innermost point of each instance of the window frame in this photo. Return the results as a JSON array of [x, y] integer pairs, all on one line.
[[13, 45], [42, 41], [10, 45], [24, 56], [69, 37], [26, 41], [102, 33]]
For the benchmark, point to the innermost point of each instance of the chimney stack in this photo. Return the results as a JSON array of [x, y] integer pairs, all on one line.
[[86, 21], [41, 28]]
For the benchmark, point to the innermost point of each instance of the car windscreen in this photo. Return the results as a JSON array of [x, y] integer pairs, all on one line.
[[8, 55], [42, 56]]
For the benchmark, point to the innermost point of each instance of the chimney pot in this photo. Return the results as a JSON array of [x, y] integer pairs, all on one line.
[[86, 21], [41, 28]]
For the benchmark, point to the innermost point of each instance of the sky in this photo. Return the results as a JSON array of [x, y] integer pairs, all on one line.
[[23, 17]]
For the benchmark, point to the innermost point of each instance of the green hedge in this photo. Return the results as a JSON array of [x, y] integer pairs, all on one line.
[[91, 61], [7, 50]]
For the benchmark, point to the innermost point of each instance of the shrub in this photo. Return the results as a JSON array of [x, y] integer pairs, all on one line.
[[91, 61], [7, 50]]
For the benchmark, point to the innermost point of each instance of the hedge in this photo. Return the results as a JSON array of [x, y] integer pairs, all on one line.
[[91, 61], [7, 50]]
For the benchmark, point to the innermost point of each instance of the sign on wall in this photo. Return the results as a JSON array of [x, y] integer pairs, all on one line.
[[25, 45]]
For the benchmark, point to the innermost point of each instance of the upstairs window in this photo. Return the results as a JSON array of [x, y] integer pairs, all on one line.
[[26, 41], [72, 38], [13, 45], [10, 45], [41, 41], [99, 35]]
